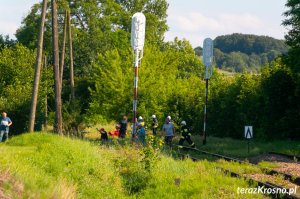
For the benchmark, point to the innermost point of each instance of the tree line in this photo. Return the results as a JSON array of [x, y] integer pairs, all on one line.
[[244, 52], [170, 80]]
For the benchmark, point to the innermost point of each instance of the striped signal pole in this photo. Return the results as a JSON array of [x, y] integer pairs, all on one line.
[[208, 47], [137, 43], [135, 91]]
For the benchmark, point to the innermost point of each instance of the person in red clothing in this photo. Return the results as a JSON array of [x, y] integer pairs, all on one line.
[[115, 132]]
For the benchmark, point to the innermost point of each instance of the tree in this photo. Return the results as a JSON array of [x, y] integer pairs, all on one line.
[[16, 80], [63, 47], [37, 69], [57, 80], [293, 36], [71, 58], [293, 40]]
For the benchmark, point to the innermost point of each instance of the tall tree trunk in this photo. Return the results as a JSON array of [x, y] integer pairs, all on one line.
[[46, 98], [58, 104], [71, 59], [37, 69], [62, 54]]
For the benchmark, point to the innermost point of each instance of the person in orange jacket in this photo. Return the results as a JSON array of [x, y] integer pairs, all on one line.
[[115, 132]]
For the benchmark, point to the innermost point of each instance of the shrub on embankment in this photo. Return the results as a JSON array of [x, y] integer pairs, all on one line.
[[51, 166]]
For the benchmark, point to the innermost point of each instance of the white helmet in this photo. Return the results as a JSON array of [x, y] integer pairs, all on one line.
[[183, 123], [153, 116], [140, 118], [169, 117]]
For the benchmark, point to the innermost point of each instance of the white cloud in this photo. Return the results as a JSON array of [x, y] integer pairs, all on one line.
[[8, 28], [195, 26], [193, 22]]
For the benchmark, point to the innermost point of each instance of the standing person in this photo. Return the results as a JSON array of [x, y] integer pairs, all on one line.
[[169, 130], [123, 127], [185, 135], [5, 123], [141, 133], [154, 125]]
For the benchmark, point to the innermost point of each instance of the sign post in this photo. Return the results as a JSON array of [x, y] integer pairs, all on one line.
[[138, 26], [208, 47], [248, 135]]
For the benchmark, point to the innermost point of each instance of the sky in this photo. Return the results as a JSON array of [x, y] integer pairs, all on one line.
[[193, 20]]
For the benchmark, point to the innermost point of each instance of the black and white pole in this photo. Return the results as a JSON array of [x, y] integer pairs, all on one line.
[[208, 47], [137, 44]]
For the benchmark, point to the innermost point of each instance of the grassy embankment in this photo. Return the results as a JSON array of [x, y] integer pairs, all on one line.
[[41, 165]]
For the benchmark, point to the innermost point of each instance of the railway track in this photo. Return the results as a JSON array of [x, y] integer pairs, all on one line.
[[292, 157], [292, 179], [251, 180]]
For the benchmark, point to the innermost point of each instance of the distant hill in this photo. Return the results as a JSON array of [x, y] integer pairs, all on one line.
[[243, 52]]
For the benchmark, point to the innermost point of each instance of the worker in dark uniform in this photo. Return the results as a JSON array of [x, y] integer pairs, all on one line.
[[103, 134], [123, 127], [154, 124], [185, 135]]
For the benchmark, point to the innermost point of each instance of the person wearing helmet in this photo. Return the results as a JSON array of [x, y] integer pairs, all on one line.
[[141, 121], [169, 130], [185, 135], [141, 131], [154, 124]]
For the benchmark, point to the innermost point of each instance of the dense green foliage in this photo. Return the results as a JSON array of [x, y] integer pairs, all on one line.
[[248, 44], [50, 166], [16, 79], [265, 101], [170, 76], [292, 60], [242, 52]]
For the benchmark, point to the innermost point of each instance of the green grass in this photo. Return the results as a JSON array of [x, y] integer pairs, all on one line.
[[51, 166], [238, 148]]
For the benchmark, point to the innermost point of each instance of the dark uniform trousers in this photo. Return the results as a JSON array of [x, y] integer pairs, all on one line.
[[185, 135]]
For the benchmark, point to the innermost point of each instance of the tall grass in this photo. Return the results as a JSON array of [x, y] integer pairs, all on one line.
[[51, 166]]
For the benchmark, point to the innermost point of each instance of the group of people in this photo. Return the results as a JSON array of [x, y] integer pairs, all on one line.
[[168, 130]]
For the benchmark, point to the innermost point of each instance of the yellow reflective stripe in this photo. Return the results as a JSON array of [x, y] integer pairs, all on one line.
[[182, 137]]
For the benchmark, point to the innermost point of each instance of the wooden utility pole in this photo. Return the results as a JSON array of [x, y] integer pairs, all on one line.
[[62, 54], [58, 104], [71, 59], [37, 75], [46, 98]]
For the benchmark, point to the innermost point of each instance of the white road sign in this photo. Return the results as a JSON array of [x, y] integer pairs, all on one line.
[[248, 132]]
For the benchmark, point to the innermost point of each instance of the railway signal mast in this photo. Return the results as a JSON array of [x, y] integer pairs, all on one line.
[[208, 47], [138, 25]]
